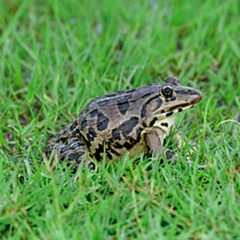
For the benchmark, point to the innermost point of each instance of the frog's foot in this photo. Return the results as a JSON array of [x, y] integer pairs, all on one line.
[[172, 156], [199, 166], [87, 162]]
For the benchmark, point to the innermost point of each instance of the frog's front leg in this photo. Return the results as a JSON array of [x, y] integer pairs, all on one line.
[[154, 141]]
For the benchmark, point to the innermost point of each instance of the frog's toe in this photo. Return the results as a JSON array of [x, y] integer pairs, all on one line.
[[170, 154], [78, 163], [199, 166]]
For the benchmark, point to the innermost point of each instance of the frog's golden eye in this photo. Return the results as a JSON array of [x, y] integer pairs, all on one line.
[[167, 91]]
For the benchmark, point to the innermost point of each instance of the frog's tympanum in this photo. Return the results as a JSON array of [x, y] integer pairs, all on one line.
[[134, 121]]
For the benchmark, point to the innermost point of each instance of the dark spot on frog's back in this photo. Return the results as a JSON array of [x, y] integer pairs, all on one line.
[[102, 122], [83, 124], [94, 113], [91, 134], [128, 125], [123, 107], [73, 125]]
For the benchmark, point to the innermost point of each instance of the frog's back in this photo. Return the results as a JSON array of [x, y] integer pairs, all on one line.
[[120, 101]]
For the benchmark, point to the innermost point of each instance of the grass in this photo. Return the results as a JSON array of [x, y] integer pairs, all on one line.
[[58, 55]]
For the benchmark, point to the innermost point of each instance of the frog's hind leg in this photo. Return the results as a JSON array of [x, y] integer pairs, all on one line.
[[79, 147], [74, 154], [58, 151]]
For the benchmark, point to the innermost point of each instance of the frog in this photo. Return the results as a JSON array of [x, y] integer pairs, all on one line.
[[129, 122]]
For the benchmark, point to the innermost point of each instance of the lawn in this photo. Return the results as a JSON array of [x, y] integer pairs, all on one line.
[[58, 55]]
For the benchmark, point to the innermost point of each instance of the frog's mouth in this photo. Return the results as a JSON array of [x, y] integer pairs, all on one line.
[[180, 107], [173, 110]]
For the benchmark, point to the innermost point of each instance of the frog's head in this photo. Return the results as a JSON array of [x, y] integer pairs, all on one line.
[[176, 98], [172, 98]]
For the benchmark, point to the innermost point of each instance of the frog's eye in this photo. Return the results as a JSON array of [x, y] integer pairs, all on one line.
[[167, 91]]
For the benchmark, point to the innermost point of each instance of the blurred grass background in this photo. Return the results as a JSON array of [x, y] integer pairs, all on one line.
[[58, 55]]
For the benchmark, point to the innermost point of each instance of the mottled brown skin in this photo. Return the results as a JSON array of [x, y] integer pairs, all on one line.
[[133, 121]]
